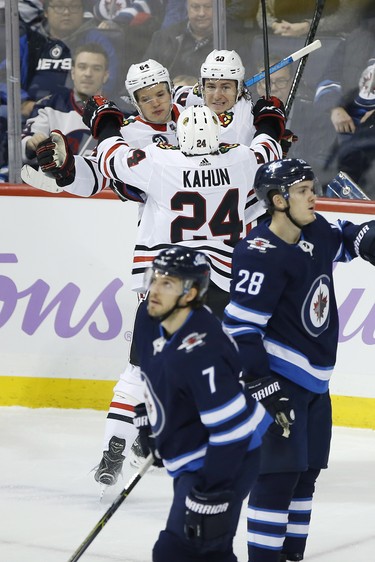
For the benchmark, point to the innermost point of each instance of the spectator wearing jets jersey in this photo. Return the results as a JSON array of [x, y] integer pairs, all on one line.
[[64, 110], [199, 195], [207, 432], [283, 316]]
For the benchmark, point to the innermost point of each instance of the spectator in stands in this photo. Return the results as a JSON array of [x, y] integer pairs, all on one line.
[[292, 19], [63, 111], [336, 92], [46, 54], [182, 47]]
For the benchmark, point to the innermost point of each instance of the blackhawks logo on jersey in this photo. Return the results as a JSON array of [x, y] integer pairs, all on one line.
[[226, 118]]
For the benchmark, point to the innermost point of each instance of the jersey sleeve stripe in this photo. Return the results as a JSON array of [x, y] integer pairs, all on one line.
[[224, 413], [240, 313]]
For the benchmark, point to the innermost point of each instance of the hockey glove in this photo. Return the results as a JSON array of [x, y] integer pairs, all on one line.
[[269, 117], [207, 515], [364, 243], [267, 391], [56, 159], [286, 141], [100, 112], [146, 438]]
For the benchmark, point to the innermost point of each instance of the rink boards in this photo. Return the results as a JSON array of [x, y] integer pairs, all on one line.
[[66, 308]]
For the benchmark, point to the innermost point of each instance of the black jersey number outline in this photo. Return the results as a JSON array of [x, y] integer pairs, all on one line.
[[225, 220]]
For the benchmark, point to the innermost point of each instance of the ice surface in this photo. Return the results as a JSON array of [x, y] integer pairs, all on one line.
[[49, 499]]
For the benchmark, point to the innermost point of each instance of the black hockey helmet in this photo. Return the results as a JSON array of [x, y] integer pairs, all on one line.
[[280, 175], [187, 264]]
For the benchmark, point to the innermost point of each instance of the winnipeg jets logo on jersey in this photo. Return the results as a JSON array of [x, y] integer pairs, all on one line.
[[260, 244], [191, 341], [159, 345], [155, 410], [306, 246], [316, 307]]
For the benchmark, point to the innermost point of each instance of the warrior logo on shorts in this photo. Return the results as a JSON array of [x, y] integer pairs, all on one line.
[[315, 310]]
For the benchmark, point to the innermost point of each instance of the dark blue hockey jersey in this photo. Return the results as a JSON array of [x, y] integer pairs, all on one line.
[[195, 402], [282, 311]]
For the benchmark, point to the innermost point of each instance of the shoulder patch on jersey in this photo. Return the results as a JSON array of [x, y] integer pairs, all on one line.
[[128, 121], [196, 91], [224, 147], [166, 146], [192, 340], [260, 244], [226, 118]]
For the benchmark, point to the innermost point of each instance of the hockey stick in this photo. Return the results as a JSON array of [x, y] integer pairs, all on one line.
[[38, 179], [301, 65], [284, 62], [266, 50], [111, 510]]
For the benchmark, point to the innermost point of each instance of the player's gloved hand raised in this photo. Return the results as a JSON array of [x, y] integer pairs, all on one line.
[[267, 391], [100, 112], [56, 159], [287, 141], [207, 515], [146, 438], [269, 116], [365, 242]]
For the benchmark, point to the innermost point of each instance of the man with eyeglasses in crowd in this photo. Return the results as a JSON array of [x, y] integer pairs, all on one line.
[[46, 54]]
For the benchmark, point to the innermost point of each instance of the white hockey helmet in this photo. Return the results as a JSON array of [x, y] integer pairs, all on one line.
[[223, 65], [198, 130], [143, 74]]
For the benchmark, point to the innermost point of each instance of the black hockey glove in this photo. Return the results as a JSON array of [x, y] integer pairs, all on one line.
[[207, 515], [56, 159], [364, 243], [269, 117], [146, 438], [267, 391], [287, 141], [99, 113]]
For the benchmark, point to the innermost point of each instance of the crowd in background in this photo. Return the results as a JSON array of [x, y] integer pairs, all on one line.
[[333, 112]]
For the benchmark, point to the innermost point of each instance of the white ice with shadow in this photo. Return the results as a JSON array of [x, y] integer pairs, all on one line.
[[49, 499]]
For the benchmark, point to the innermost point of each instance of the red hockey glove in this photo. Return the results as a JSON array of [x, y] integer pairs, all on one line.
[[267, 391], [271, 113], [364, 243], [56, 159], [100, 111], [146, 438], [286, 141]]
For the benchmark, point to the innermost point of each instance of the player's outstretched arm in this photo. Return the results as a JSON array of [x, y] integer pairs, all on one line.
[[56, 159]]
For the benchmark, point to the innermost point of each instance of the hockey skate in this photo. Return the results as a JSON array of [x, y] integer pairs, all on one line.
[[110, 466]]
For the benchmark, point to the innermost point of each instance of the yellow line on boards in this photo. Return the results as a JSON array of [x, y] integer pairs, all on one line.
[[41, 392]]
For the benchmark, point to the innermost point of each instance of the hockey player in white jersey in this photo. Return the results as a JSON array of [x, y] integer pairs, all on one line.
[[199, 196], [221, 87], [150, 90]]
